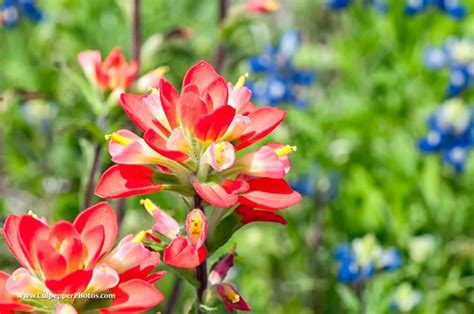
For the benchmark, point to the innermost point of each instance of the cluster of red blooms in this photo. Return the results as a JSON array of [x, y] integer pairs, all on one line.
[[197, 143]]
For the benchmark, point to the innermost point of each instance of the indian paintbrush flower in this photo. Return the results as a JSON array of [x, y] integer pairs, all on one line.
[[70, 258], [226, 292], [115, 75], [194, 138], [261, 6], [183, 251]]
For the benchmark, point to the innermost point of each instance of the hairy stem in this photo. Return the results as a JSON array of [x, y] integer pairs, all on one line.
[[136, 30], [201, 270], [90, 182]]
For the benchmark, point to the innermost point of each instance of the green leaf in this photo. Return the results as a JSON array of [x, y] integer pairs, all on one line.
[[349, 298]]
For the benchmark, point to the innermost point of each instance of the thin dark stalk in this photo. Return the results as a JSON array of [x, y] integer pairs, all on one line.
[[173, 298], [121, 210], [201, 270], [90, 182], [2, 163], [221, 51], [136, 30]]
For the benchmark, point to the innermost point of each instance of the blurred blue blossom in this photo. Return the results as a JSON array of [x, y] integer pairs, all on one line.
[[453, 8], [458, 56], [318, 185], [281, 81], [378, 5], [405, 298], [359, 260], [450, 133], [12, 11]]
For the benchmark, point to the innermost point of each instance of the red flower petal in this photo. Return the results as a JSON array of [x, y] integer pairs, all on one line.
[[270, 194], [155, 141], [225, 292], [190, 108], [126, 180], [141, 112], [134, 296], [9, 303], [101, 214], [202, 74], [181, 254], [10, 234], [264, 121], [248, 215], [212, 126], [72, 283], [215, 194], [93, 240], [53, 265], [169, 97], [31, 231], [217, 94], [137, 111]]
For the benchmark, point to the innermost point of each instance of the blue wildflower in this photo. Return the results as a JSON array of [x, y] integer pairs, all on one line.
[[450, 133], [458, 56], [390, 259], [452, 8], [323, 188], [405, 298], [12, 11], [378, 5], [359, 260], [281, 81]]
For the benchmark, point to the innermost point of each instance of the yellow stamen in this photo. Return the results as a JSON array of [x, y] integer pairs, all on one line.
[[149, 205], [241, 80], [119, 139], [231, 295], [32, 214], [285, 150], [141, 236]]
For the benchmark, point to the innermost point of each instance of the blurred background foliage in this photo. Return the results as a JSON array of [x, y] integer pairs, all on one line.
[[367, 110]]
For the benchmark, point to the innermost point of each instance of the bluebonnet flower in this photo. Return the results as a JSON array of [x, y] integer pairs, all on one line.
[[405, 298], [458, 56], [359, 260], [11, 11], [450, 133], [378, 5], [281, 81], [322, 187], [453, 8]]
